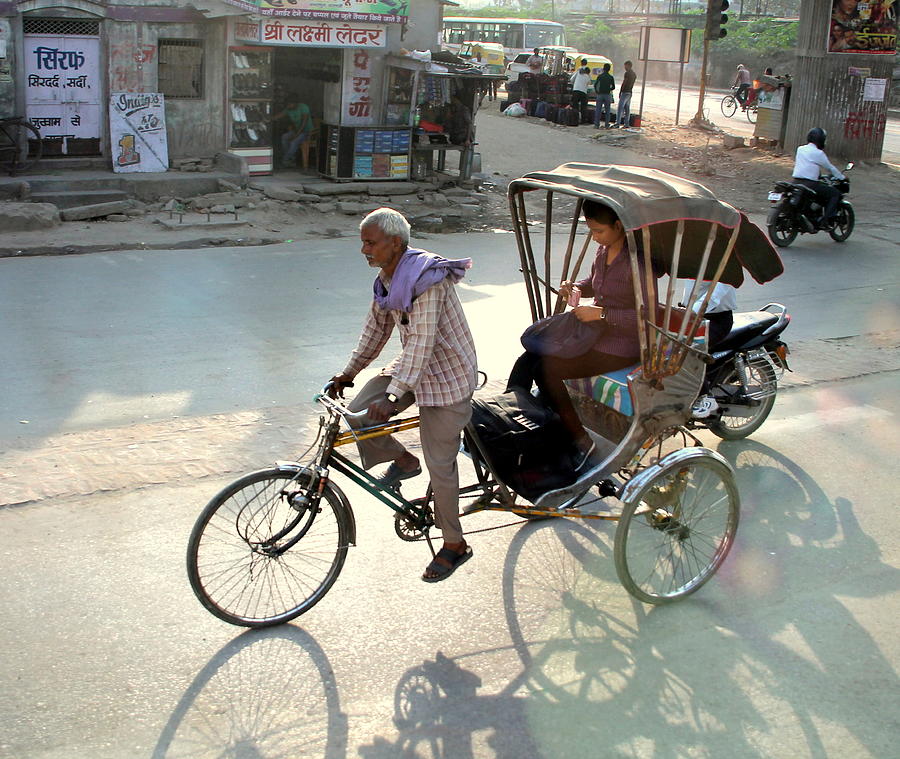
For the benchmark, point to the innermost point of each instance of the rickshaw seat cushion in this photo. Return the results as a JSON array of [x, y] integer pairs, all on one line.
[[527, 443], [609, 389]]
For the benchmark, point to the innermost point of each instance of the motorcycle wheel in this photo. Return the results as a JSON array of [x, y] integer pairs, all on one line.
[[843, 223], [738, 427], [782, 230]]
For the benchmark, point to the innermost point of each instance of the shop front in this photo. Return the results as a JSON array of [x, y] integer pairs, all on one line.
[[286, 78], [437, 96]]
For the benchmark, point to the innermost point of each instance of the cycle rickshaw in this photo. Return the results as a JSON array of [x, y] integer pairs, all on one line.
[[270, 545]]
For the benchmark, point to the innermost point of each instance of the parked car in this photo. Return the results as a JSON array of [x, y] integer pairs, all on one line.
[[517, 65]]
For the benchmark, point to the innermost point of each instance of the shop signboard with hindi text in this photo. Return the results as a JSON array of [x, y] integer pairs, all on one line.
[[371, 11], [62, 86], [137, 130], [321, 34], [356, 90]]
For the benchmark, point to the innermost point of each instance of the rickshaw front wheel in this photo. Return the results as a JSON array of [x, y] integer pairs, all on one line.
[[677, 526]]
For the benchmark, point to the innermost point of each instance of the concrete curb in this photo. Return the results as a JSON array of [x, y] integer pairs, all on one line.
[[190, 243]]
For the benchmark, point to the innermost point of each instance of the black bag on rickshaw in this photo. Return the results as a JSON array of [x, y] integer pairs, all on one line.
[[528, 446]]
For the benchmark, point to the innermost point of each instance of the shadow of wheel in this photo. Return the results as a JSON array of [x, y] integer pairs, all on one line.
[[268, 692]]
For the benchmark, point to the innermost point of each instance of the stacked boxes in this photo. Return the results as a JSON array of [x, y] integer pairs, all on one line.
[[382, 153]]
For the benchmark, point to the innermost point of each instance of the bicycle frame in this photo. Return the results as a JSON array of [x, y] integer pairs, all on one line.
[[489, 493]]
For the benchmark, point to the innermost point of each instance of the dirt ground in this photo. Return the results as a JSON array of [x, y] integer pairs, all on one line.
[[740, 176]]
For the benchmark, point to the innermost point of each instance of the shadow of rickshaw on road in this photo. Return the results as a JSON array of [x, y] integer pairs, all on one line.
[[595, 682], [266, 693]]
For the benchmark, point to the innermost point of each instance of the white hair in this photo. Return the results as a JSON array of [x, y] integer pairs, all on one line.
[[391, 222]]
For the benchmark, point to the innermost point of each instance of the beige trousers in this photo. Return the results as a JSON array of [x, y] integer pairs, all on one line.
[[439, 431]]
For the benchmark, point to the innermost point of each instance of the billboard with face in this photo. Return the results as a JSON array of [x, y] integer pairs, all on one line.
[[863, 27]]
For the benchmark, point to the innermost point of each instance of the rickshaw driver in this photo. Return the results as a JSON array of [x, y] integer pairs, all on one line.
[[436, 368]]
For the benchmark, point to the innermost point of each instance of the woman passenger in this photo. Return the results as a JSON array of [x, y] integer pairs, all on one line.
[[611, 290]]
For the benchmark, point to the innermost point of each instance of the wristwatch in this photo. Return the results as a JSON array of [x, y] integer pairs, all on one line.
[[392, 398]]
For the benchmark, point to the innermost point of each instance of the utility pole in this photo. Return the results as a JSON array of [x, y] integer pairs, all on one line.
[[715, 18], [698, 117]]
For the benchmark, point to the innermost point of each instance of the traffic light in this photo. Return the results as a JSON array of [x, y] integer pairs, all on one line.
[[716, 18]]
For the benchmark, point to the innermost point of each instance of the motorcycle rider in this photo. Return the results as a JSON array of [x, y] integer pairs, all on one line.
[[811, 161]]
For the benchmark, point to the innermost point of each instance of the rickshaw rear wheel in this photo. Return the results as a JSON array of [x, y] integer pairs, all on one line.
[[677, 529]]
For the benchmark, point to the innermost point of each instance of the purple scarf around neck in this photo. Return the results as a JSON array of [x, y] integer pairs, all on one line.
[[417, 271]]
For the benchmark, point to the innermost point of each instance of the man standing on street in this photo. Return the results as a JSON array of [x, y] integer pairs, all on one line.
[[604, 86], [535, 62], [623, 114], [581, 80], [436, 369]]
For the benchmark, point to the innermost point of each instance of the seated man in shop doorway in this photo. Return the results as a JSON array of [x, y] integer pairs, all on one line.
[[296, 136], [459, 122]]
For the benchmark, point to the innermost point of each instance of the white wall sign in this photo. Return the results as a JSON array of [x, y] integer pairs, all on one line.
[[321, 34], [62, 85], [357, 84], [137, 130], [874, 89]]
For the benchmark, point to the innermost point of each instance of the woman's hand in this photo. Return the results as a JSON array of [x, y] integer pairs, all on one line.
[[588, 313], [565, 289]]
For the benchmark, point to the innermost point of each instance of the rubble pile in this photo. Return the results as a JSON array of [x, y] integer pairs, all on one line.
[[429, 207]]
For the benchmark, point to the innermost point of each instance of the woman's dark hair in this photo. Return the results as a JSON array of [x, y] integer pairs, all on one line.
[[599, 212]]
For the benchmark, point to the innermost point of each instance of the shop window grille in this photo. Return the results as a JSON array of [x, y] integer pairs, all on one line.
[[61, 26], [180, 72]]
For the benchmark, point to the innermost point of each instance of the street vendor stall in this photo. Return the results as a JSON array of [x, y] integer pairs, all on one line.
[[437, 96]]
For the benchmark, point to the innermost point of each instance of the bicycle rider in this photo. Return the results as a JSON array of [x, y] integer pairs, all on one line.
[[436, 369], [742, 82], [810, 161]]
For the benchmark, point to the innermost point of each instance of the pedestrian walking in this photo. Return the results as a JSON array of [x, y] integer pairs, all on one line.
[[623, 113], [415, 292], [581, 80], [604, 87]]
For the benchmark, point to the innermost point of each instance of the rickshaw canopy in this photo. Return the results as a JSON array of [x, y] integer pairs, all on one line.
[[654, 199]]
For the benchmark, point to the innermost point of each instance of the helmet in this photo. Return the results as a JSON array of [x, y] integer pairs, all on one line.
[[817, 137]]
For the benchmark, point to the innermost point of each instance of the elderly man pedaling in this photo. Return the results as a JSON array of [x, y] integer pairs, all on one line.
[[414, 291]]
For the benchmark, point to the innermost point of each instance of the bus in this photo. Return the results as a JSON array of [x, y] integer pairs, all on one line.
[[517, 35]]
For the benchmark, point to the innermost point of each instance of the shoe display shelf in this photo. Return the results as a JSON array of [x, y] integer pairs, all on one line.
[[249, 108]]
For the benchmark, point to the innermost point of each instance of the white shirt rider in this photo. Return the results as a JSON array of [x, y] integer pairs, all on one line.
[[810, 162]]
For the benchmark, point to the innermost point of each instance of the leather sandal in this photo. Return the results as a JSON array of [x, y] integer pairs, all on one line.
[[394, 474], [442, 571]]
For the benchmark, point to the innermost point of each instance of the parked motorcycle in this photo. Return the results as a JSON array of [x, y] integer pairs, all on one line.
[[796, 210], [744, 374]]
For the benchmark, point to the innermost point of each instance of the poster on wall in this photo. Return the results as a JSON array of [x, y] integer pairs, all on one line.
[[374, 11], [137, 131], [863, 27]]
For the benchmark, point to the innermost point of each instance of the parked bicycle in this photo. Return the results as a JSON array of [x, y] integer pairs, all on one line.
[[20, 145], [730, 104]]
